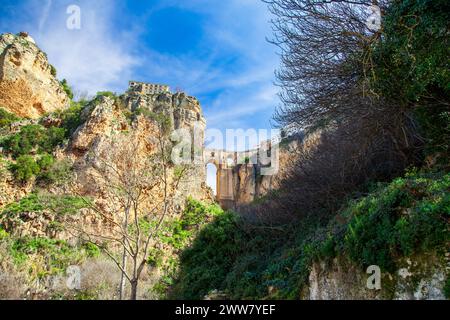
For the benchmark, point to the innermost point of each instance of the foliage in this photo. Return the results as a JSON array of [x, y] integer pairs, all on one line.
[[58, 253], [67, 89], [6, 118], [41, 257], [53, 70], [205, 264], [58, 172], [45, 162], [403, 218], [71, 117], [34, 137], [91, 249], [58, 204], [178, 233], [25, 168], [155, 257], [108, 94], [447, 287], [411, 65], [407, 216]]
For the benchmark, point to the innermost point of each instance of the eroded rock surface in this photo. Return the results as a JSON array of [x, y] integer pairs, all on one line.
[[27, 86]]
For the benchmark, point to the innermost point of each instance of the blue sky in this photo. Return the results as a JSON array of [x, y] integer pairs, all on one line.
[[215, 50]]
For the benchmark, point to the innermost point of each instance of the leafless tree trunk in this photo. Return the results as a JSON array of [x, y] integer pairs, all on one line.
[[142, 185]]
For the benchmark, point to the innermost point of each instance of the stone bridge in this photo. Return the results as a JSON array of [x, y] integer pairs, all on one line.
[[239, 177]]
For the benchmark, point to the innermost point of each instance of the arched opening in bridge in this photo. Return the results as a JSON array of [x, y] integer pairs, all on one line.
[[211, 177]]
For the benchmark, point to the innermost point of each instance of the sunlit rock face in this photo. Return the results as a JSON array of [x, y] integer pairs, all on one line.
[[28, 87], [420, 277]]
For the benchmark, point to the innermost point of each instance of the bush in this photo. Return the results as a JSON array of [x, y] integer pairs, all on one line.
[[53, 70], [205, 264], [67, 88], [33, 137], [108, 94], [25, 168], [405, 217], [6, 118], [71, 117], [58, 255], [447, 288], [45, 162], [57, 204], [58, 172]]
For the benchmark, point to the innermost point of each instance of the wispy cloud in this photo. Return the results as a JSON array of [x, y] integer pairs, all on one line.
[[234, 79], [44, 16], [96, 57], [231, 68]]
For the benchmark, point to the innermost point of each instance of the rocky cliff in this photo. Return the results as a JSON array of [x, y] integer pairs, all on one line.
[[106, 129], [110, 128], [28, 87], [419, 278]]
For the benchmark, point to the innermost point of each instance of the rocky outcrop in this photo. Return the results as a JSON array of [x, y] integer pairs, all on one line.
[[419, 278], [242, 182], [27, 86]]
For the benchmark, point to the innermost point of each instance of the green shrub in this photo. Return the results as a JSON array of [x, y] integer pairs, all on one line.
[[411, 66], [67, 88], [45, 162], [34, 137], [58, 254], [25, 168], [155, 257], [71, 117], [91, 249], [205, 264], [59, 172], [53, 70], [447, 288], [108, 94], [54, 137], [58, 204], [405, 217], [6, 118]]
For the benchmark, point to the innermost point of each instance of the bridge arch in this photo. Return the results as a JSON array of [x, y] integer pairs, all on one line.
[[224, 163]]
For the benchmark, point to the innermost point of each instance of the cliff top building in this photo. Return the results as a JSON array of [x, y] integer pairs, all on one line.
[[147, 88]]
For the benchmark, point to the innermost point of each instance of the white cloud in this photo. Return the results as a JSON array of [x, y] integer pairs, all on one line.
[[234, 30], [232, 72], [96, 57]]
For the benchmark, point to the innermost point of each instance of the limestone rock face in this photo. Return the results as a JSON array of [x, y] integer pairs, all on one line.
[[27, 86], [419, 278], [183, 110], [98, 124]]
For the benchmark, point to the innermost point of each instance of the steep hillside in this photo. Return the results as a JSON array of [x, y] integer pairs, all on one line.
[[65, 172], [401, 227], [28, 84]]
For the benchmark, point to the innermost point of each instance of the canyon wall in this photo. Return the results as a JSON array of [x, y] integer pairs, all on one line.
[[28, 86]]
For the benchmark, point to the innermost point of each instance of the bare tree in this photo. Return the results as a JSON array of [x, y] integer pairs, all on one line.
[[327, 52], [140, 191]]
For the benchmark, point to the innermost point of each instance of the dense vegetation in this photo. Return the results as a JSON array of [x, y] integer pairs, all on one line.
[[6, 119], [373, 188], [379, 104], [32, 143], [406, 217]]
